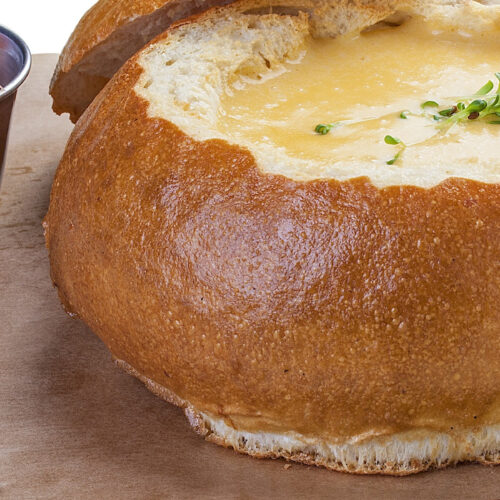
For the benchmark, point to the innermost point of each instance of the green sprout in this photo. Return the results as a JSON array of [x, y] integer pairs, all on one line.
[[394, 141], [429, 104], [483, 105], [323, 129]]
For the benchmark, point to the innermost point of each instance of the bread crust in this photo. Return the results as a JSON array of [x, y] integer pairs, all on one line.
[[331, 309]]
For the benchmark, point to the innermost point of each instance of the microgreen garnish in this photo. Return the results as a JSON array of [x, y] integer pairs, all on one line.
[[394, 141], [476, 106], [448, 111], [395, 159], [483, 105], [323, 129], [429, 104], [485, 89]]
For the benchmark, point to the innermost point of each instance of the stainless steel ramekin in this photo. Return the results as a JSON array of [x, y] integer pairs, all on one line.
[[15, 63]]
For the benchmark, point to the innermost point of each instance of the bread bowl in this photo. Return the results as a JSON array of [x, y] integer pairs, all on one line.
[[345, 317]]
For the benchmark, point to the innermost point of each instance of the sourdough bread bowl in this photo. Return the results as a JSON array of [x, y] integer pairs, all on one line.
[[341, 312]]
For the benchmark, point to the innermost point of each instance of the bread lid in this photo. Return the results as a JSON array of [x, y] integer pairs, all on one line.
[[106, 36]]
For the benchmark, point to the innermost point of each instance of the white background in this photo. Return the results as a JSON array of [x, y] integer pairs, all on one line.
[[44, 25]]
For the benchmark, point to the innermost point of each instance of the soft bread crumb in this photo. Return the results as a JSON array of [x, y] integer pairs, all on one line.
[[399, 454], [180, 76]]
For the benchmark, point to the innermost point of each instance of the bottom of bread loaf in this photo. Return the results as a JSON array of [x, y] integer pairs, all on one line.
[[400, 454]]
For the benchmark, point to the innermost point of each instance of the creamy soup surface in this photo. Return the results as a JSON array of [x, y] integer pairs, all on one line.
[[365, 82]]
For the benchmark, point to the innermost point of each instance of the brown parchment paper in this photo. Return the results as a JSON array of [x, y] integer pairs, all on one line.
[[74, 426]]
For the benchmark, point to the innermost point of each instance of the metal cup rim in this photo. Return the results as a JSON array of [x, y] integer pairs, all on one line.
[[14, 84]]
